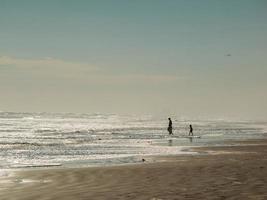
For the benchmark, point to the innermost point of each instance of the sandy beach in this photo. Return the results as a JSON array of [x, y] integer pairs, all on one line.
[[232, 172]]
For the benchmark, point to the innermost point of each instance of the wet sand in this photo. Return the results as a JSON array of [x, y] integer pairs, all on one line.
[[235, 172]]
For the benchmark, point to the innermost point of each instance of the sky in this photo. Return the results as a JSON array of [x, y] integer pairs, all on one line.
[[162, 57]]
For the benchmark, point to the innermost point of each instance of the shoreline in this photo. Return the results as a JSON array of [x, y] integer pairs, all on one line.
[[219, 172]]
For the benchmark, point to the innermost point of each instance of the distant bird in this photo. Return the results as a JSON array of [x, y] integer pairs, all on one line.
[[228, 55]]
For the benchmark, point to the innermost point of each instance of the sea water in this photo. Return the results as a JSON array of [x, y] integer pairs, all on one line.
[[77, 140]]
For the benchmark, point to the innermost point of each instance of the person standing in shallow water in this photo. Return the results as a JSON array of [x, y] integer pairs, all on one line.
[[170, 126], [190, 130]]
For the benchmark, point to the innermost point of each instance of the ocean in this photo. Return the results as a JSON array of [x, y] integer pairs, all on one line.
[[81, 140]]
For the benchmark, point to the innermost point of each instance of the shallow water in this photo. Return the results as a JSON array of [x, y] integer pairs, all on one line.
[[45, 139]]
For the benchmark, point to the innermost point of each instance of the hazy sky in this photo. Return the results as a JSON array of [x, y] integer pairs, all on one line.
[[168, 57]]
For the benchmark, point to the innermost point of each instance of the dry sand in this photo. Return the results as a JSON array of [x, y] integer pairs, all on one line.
[[238, 172]]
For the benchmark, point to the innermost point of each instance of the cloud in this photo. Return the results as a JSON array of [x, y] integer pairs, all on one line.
[[76, 71], [46, 66], [45, 62], [134, 78]]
